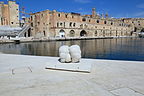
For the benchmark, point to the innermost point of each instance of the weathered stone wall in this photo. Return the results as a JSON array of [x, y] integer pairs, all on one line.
[[4, 16], [40, 23], [13, 13], [9, 14], [137, 23]]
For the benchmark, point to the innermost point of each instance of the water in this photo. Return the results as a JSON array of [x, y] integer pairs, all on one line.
[[114, 49]]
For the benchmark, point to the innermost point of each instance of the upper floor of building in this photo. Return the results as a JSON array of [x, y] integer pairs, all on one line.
[[9, 13]]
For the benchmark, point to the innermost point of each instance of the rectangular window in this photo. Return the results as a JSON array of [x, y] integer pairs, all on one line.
[[58, 15], [66, 15], [38, 23]]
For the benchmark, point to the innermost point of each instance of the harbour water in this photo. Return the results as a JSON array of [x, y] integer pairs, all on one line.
[[114, 49]]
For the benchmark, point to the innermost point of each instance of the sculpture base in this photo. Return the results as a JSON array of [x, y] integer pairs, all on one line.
[[72, 67]]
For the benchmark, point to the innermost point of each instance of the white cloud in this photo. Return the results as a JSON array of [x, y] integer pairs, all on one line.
[[83, 1], [140, 5]]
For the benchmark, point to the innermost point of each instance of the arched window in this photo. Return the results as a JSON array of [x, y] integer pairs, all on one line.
[[62, 33], [61, 24], [70, 24], [38, 23], [85, 26], [59, 15], [81, 26], [84, 19], [97, 21], [44, 33], [66, 15], [83, 33], [105, 22], [72, 33], [74, 24]]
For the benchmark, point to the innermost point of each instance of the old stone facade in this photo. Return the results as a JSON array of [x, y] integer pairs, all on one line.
[[40, 24], [9, 14], [137, 23], [60, 24]]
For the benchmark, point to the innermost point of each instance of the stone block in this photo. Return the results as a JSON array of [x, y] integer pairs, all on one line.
[[126, 92], [72, 67]]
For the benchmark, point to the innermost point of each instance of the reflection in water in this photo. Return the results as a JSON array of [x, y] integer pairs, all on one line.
[[118, 49]]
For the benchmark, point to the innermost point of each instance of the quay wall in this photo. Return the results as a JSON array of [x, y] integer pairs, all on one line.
[[44, 39]]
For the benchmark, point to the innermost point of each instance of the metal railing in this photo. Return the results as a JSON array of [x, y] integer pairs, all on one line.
[[18, 33]]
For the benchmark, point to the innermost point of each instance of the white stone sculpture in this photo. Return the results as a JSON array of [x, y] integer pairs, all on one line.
[[69, 54], [64, 54], [75, 53]]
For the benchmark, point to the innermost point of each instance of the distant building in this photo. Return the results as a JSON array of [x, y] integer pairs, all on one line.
[[60, 24], [9, 14]]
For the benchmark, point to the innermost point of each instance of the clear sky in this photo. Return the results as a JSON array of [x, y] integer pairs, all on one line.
[[115, 8]]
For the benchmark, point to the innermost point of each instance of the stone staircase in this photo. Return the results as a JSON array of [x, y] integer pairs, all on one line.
[[24, 30]]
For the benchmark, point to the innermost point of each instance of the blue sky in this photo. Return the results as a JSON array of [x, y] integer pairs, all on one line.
[[115, 8]]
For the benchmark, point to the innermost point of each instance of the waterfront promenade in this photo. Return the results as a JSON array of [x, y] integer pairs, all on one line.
[[26, 76]]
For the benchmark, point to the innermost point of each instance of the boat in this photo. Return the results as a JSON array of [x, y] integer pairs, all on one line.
[[141, 34]]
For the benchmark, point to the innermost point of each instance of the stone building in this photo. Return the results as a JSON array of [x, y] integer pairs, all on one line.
[[137, 23], [40, 24], [59, 24], [9, 14]]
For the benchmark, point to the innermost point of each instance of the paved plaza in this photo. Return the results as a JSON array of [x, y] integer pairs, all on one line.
[[26, 76]]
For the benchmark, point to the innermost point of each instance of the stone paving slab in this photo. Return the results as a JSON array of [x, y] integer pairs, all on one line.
[[126, 92], [21, 70]]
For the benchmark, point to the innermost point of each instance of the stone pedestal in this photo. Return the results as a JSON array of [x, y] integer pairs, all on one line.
[[72, 67]]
